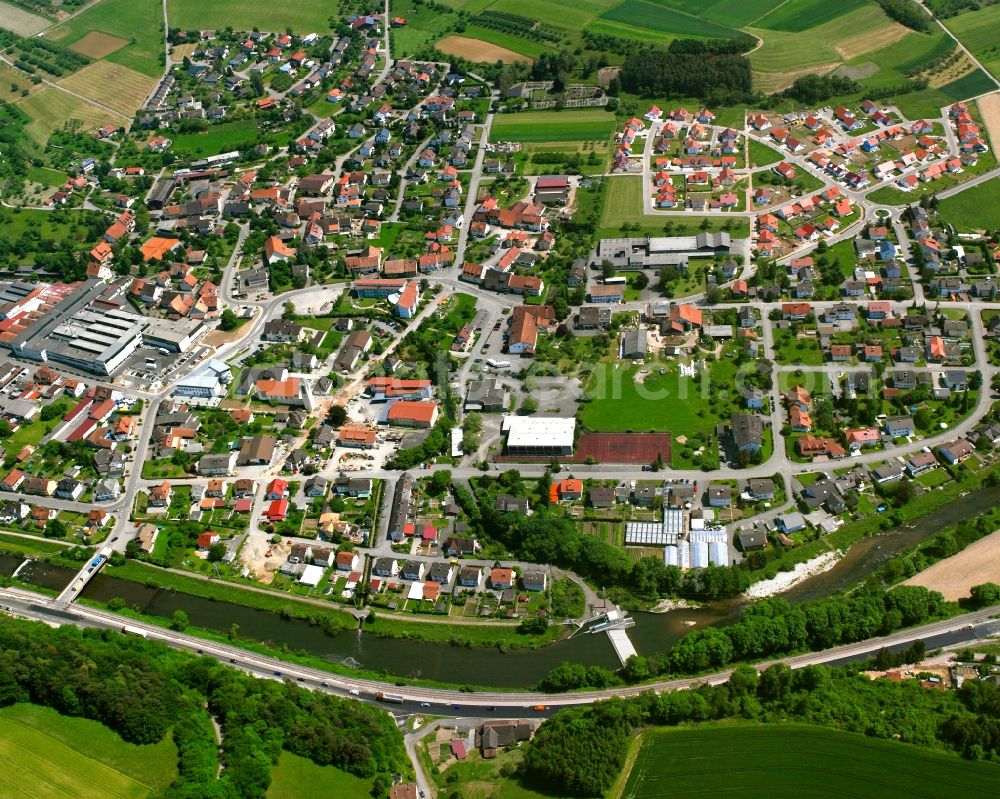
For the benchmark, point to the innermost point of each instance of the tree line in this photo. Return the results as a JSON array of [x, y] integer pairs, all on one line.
[[581, 751], [687, 69], [142, 690]]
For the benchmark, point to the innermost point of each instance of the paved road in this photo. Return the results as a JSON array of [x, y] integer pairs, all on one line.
[[444, 702]]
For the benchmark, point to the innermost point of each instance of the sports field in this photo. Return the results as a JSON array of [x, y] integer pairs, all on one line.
[[585, 124], [48, 756], [785, 761], [296, 777], [302, 16], [138, 22], [94, 81], [667, 402]]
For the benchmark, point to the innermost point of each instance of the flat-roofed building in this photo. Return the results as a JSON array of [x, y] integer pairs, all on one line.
[[528, 435]]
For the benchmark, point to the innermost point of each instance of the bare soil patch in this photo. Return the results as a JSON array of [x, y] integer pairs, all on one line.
[[21, 22], [859, 71], [478, 50], [989, 108], [954, 576], [779, 81], [97, 45], [870, 41]]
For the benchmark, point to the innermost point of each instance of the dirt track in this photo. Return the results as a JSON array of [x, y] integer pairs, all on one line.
[[954, 576]]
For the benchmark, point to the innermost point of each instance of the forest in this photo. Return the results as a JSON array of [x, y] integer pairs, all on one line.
[[714, 71], [142, 690], [581, 751]]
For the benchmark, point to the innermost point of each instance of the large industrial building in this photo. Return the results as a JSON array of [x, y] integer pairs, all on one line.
[[87, 326], [539, 437], [656, 252]]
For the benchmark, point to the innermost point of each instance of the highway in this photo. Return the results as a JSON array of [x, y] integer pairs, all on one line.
[[443, 702]]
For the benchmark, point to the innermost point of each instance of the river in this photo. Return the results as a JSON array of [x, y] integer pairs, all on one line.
[[653, 632]]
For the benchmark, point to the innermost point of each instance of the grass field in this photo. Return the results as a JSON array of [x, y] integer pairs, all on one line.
[[217, 139], [50, 109], [10, 78], [623, 203], [762, 154], [977, 31], [667, 402], [297, 777], [782, 761], [52, 757], [974, 209], [139, 22], [587, 124], [302, 16], [130, 87], [46, 176]]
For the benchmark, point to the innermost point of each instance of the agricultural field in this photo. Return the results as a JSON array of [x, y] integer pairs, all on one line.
[[650, 20], [58, 757], [302, 16], [977, 31], [138, 22], [976, 564], [20, 21], [51, 108], [296, 777], [786, 760], [131, 88], [98, 45], [802, 15], [588, 124], [787, 55], [477, 50], [974, 209], [727, 12]]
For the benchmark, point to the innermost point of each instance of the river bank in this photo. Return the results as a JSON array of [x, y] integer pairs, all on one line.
[[786, 580]]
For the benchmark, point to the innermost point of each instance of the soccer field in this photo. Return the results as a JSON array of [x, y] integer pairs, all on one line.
[[785, 761], [50, 756]]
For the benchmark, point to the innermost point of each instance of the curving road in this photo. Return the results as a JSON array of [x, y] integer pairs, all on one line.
[[445, 702]]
